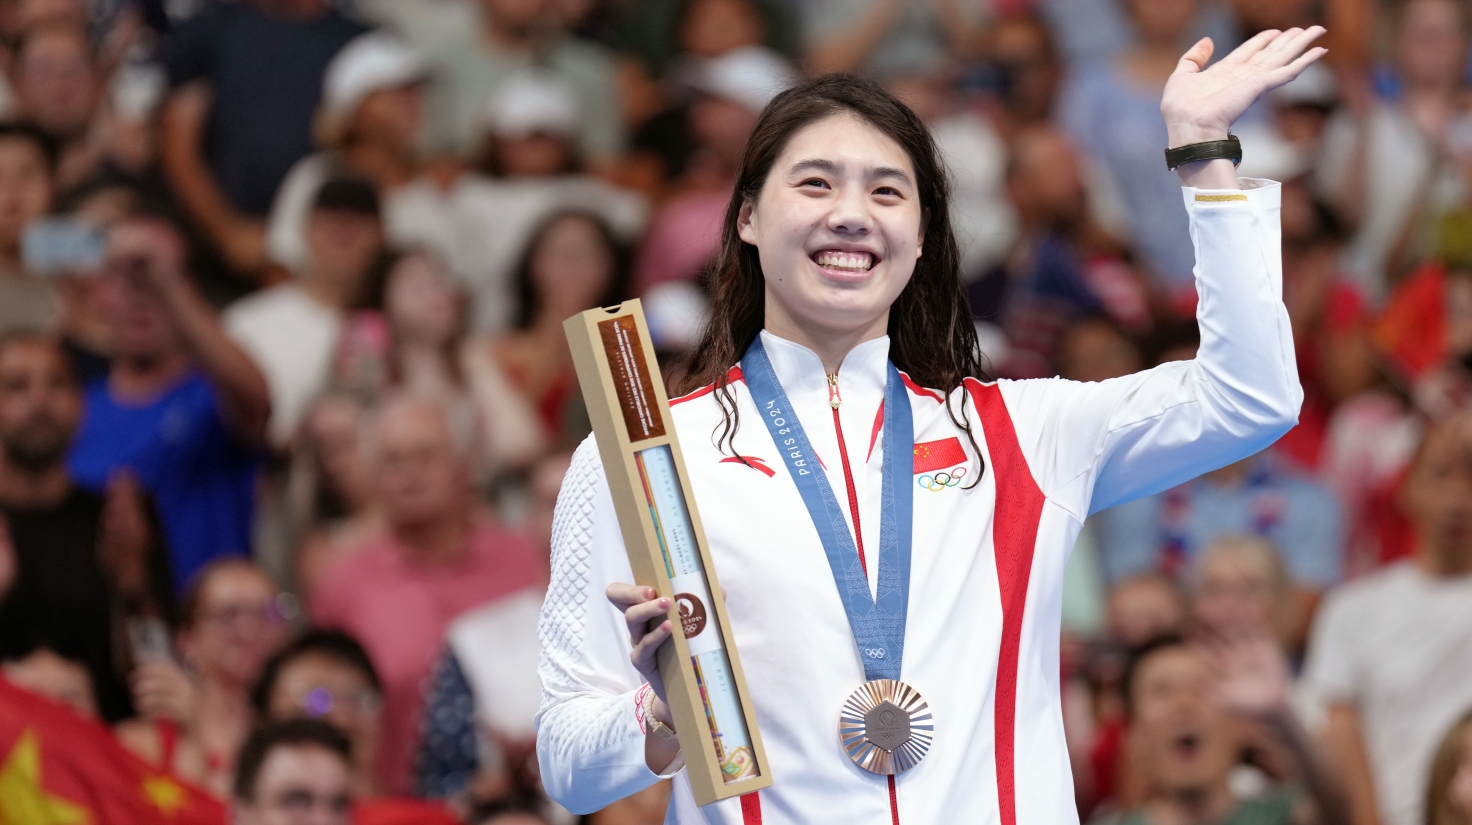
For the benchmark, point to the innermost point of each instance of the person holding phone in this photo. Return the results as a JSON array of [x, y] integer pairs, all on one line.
[[888, 522]]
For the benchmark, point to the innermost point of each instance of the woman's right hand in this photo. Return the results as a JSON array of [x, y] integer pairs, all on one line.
[[641, 606]]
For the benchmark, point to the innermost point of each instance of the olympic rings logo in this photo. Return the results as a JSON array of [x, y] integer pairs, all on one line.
[[939, 481]]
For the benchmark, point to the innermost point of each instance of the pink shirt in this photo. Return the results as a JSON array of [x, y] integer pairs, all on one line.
[[399, 609]]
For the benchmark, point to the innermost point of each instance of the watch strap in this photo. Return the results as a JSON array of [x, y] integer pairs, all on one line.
[[1230, 149]]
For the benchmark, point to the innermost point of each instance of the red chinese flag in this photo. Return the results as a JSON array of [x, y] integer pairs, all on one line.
[[402, 812], [57, 768], [939, 455]]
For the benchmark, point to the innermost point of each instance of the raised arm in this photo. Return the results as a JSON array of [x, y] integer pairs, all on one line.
[[1092, 446]]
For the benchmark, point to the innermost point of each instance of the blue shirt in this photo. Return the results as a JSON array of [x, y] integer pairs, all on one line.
[[1299, 516], [202, 478]]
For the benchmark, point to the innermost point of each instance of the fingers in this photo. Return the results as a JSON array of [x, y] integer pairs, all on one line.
[[1252, 47], [643, 654], [1280, 76], [624, 596], [639, 616], [1196, 57], [1288, 45]]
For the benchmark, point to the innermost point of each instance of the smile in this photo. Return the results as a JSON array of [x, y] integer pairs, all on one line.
[[844, 261]]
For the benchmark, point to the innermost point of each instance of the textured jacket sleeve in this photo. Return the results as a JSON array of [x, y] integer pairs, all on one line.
[[1091, 446], [589, 744]]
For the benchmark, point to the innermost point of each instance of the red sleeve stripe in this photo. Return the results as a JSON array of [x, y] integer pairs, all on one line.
[[1019, 507]]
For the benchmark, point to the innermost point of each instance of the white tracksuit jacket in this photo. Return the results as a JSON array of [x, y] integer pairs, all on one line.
[[987, 570]]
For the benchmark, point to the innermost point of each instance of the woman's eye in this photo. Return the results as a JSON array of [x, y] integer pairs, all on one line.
[[887, 191], [819, 182]]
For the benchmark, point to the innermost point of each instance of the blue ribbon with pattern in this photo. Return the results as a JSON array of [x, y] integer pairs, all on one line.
[[878, 623]]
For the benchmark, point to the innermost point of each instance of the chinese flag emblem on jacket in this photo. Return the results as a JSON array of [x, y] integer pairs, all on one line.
[[57, 768]]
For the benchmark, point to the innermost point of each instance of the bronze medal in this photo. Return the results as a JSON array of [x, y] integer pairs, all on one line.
[[886, 727]]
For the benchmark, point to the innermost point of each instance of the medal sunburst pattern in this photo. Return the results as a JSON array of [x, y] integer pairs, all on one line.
[[871, 757]]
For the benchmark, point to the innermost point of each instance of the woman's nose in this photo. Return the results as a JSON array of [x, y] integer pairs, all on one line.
[[850, 215]]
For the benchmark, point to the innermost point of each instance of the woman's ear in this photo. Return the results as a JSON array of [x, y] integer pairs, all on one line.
[[746, 222]]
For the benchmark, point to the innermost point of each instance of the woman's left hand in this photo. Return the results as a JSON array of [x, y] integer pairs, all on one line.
[[1201, 102]]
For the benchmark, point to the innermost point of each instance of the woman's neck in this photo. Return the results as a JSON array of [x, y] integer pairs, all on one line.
[[830, 344]]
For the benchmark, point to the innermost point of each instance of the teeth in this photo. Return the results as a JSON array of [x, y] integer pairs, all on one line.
[[848, 261]]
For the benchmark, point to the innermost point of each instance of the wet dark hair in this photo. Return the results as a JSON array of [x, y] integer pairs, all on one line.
[[529, 300], [329, 644], [931, 334], [293, 733]]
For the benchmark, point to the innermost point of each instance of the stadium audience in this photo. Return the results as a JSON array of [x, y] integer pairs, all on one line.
[[441, 556], [86, 565], [291, 329], [1390, 653], [182, 408], [394, 204]]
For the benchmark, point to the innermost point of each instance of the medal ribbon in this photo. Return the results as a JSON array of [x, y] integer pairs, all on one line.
[[878, 624]]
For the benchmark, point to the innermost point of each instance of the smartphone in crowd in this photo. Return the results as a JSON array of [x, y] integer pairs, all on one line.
[[51, 247]]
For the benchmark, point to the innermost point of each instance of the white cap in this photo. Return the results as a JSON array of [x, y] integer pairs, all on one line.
[[531, 102], [369, 63], [751, 76]]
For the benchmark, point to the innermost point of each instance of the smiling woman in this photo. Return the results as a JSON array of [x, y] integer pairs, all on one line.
[[891, 527]]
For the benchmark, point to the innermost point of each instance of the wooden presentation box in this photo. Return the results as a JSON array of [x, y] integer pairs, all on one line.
[[667, 549]]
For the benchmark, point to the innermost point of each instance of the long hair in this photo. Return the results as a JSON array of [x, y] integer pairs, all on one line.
[[931, 334]]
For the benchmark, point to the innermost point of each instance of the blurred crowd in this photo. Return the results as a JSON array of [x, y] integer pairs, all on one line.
[[285, 401]]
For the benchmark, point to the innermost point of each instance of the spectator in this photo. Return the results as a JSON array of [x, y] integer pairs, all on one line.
[[481, 225], [439, 558], [1142, 607], [27, 188], [1390, 653], [85, 563], [1113, 112], [420, 343], [369, 126], [486, 693], [1022, 70], [245, 79], [1331, 325], [1448, 793], [657, 32], [325, 674], [888, 38], [1193, 713], [1063, 265], [571, 264], [1095, 349], [194, 715], [730, 91], [59, 87], [1239, 588], [1385, 148], [514, 35], [1255, 496], [182, 408], [290, 330], [290, 771], [329, 492]]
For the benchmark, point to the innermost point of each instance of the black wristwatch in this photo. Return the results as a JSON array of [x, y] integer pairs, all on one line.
[[1231, 149]]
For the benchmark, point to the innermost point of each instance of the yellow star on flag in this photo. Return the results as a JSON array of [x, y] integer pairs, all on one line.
[[22, 801], [165, 794]]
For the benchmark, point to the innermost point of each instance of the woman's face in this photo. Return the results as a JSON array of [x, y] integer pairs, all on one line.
[[322, 687], [422, 303], [1430, 45], [334, 426], [837, 227], [571, 266], [237, 626], [1235, 592]]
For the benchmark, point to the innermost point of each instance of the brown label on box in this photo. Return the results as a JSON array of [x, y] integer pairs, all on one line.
[[631, 378]]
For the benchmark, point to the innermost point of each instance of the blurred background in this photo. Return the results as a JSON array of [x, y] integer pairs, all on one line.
[[285, 402]]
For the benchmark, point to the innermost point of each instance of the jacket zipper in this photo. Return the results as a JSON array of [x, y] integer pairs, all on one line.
[[834, 400]]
